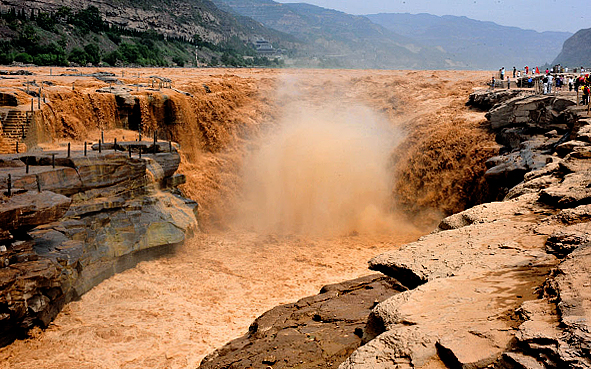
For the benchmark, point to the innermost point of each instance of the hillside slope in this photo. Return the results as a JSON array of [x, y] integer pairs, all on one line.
[[131, 32], [576, 51], [173, 18], [477, 44]]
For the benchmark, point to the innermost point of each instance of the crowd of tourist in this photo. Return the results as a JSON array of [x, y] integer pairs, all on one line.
[[550, 81], [584, 83]]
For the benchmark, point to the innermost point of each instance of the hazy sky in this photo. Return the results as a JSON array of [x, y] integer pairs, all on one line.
[[539, 15]]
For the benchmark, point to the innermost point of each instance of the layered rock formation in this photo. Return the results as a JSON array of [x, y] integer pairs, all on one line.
[[70, 221], [500, 285]]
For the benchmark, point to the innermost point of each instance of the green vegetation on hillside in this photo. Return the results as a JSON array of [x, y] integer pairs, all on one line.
[[83, 38]]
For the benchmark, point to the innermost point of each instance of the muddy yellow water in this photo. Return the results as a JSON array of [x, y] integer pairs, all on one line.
[[301, 177], [171, 312]]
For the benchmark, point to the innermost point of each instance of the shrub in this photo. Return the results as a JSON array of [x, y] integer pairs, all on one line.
[[93, 53], [178, 60], [23, 58], [78, 56], [113, 57]]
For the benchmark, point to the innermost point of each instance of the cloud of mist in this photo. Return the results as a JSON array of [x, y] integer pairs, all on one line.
[[324, 170]]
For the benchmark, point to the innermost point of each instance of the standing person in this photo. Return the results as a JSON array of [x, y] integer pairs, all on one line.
[[526, 70], [550, 82], [545, 82], [586, 93], [492, 82], [570, 83], [514, 71], [508, 83], [502, 73]]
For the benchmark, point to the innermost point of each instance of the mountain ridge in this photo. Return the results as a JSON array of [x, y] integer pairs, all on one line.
[[479, 44], [339, 39]]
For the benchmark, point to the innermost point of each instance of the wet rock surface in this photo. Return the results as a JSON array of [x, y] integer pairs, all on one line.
[[70, 221], [318, 331], [500, 285]]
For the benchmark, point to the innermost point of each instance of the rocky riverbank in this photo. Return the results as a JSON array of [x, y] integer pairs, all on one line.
[[71, 220], [503, 284]]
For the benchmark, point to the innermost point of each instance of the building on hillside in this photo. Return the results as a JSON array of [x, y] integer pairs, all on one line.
[[263, 46]]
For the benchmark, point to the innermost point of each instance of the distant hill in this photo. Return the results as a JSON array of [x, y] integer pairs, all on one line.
[[477, 44], [337, 39], [576, 51]]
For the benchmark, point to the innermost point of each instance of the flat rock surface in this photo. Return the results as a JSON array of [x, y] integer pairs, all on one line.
[[471, 326], [486, 246], [574, 293]]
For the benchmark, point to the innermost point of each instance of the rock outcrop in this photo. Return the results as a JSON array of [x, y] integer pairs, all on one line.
[[485, 100], [321, 330], [531, 129], [72, 221], [501, 285]]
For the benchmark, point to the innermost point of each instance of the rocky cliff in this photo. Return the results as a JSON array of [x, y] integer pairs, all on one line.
[[72, 219], [500, 285]]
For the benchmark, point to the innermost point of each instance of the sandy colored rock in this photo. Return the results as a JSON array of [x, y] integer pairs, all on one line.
[[571, 192], [407, 347], [488, 212], [574, 293], [468, 352], [522, 361], [567, 147], [479, 247]]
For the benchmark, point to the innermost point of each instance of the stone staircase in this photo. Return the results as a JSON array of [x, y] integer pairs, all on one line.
[[15, 126]]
